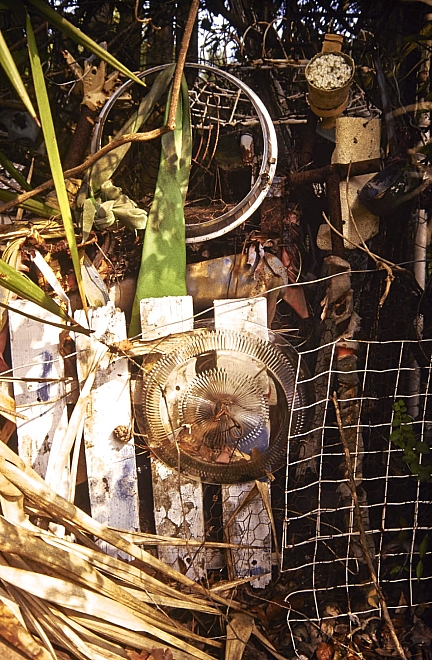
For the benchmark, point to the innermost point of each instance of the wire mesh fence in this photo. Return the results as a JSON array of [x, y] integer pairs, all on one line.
[[383, 390]]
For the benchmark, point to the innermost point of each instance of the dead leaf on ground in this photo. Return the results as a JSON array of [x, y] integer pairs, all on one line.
[[324, 651]]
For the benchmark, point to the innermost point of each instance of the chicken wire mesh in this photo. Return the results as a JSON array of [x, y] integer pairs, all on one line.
[[322, 558]]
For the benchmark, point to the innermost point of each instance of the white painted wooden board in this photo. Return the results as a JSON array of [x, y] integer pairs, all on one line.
[[108, 437], [178, 500], [35, 355], [178, 512], [251, 526], [164, 316]]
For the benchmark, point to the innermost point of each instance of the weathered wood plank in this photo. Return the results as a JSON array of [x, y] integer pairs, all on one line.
[[161, 317], [108, 437], [35, 355], [178, 500], [251, 524]]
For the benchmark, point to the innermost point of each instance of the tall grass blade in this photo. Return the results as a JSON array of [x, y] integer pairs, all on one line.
[[53, 155], [16, 174], [23, 286], [13, 74]]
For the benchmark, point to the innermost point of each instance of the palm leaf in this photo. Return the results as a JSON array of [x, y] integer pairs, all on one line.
[[54, 156], [70, 595], [12, 280]]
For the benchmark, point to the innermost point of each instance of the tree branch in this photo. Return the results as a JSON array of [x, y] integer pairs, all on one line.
[[181, 60]]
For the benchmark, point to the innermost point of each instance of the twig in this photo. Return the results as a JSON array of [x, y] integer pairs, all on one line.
[[181, 60], [362, 532], [379, 262], [89, 161]]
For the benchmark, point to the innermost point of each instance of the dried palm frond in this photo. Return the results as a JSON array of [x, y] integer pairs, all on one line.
[[61, 594]]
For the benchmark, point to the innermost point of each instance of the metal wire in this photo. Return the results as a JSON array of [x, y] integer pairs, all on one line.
[[321, 549]]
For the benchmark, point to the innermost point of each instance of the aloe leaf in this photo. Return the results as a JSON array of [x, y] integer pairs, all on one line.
[[13, 74], [34, 206], [54, 156], [105, 167], [75, 33], [163, 263]]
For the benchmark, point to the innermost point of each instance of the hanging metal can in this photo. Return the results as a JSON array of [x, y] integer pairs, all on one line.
[[329, 76]]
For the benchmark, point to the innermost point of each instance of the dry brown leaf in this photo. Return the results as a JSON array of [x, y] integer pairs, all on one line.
[[156, 654], [324, 651], [239, 629], [277, 608], [135, 655], [14, 632], [160, 654]]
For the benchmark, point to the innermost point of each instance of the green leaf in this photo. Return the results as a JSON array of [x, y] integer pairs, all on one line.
[[424, 472], [423, 546], [88, 215], [23, 286], [105, 167], [423, 448], [419, 570], [16, 174], [13, 74], [163, 263], [75, 33], [32, 205], [53, 155], [396, 570]]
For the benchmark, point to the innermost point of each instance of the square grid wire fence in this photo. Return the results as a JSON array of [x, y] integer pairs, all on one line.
[[322, 557]]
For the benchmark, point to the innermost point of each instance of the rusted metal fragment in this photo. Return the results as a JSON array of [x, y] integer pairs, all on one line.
[[272, 214], [109, 444], [178, 500], [237, 276], [357, 139]]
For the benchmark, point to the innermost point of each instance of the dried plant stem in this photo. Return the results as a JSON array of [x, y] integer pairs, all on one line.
[[362, 533], [37, 491]]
